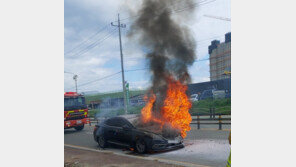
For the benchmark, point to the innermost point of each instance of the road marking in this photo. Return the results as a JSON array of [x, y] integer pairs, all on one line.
[[173, 162]]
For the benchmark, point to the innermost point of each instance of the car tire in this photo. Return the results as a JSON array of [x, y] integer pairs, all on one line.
[[79, 128], [102, 142], [140, 146]]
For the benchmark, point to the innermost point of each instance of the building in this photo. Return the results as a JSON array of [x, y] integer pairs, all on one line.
[[198, 88], [220, 58]]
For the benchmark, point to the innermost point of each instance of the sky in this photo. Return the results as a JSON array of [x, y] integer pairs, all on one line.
[[91, 44]]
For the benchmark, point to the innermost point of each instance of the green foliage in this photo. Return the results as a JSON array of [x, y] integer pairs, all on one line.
[[92, 113], [114, 112], [222, 106], [102, 96]]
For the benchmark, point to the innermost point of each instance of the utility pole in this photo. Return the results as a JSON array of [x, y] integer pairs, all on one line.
[[122, 68]]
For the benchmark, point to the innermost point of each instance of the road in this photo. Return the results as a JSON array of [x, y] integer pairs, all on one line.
[[202, 147], [78, 157]]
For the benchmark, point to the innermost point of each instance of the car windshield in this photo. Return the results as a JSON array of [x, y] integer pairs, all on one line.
[[118, 122], [73, 103]]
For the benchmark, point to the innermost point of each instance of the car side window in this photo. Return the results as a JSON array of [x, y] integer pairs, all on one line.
[[117, 122], [120, 122], [111, 122], [125, 122]]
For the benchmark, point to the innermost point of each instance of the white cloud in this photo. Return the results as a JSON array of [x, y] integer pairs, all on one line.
[[84, 18]]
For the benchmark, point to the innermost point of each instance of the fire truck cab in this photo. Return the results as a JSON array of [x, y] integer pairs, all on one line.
[[75, 111]]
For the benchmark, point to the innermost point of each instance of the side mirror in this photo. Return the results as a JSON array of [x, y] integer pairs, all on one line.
[[126, 127]]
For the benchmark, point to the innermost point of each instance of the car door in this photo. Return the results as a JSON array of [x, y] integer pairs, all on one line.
[[127, 132], [112, 129], [119, 130]]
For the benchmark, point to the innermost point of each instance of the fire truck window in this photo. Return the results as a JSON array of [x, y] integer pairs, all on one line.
[[74, 103]]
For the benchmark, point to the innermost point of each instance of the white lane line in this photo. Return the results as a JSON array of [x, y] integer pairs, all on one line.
[[173, 162]]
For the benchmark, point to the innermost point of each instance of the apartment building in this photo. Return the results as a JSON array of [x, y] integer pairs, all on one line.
[[220, 58]]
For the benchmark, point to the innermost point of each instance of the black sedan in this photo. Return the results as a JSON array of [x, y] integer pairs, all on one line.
[[119, 131]]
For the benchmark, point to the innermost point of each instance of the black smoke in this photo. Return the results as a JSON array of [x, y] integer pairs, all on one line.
[[161, 29]]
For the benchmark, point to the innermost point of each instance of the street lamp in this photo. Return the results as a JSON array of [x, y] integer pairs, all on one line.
[[75, 76], [75, 79]]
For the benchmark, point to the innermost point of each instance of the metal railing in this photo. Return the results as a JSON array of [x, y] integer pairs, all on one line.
[[211, 120]]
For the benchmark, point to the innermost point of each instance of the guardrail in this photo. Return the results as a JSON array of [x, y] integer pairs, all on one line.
[[212, 120]]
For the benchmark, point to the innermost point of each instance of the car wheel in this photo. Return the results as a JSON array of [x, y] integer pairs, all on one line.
[[140, 146], [79, 128], [102, 142]]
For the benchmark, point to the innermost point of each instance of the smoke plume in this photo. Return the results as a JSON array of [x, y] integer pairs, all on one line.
[[161, 30]]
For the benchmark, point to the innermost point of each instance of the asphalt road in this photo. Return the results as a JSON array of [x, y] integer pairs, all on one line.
[[202, 147]]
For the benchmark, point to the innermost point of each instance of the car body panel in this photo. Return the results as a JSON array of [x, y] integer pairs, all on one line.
[[127, 136]]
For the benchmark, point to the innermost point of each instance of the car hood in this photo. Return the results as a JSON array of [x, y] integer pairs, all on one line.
[[157, 133]]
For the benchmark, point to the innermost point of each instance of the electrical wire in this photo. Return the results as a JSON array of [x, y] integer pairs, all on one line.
[[108, 76], [94, 44], [69, 72], [88, 39]]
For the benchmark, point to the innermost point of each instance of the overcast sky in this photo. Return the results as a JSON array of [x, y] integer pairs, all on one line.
[[85, 18]]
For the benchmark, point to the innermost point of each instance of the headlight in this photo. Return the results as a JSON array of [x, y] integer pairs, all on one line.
[[180, 139]]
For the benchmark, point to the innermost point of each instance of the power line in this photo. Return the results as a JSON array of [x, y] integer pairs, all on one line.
[[137, 69], [194, 5], [108, 76], [132, 70], [94, 44], [97, 42], [202, 60], [68, 72], [83, 42]]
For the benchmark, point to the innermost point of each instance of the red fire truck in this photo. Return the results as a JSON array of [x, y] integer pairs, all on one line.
[[75, 111]]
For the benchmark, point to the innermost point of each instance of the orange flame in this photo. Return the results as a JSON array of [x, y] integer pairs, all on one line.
[[147, 110], [175, 109]]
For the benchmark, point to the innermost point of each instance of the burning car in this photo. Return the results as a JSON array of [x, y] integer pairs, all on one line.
[[171, 49], [120, 131]]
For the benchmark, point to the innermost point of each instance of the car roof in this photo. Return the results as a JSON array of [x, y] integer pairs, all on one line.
[[117, 117]]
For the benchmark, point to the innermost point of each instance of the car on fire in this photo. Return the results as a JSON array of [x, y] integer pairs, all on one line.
[[120, 131]]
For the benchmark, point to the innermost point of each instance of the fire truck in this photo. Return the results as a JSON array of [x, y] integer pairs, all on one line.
[[75, 111]]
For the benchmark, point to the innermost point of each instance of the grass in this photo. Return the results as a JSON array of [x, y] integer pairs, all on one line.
[[222, 106]]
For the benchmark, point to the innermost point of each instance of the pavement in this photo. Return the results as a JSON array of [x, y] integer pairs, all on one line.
[[75, 157], [205, 147]]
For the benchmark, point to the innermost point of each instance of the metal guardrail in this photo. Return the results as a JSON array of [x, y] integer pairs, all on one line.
[[212, 119]]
